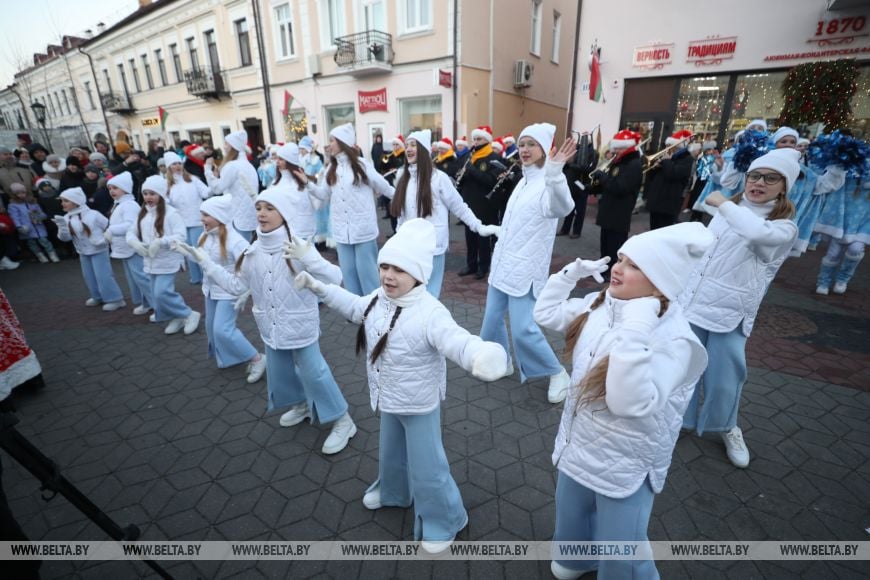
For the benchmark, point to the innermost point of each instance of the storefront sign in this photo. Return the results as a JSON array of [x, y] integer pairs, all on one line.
[[712, 50], [653, 56], [445, 78], [839, 30], [372, 100], [817, 54], [150, 122]]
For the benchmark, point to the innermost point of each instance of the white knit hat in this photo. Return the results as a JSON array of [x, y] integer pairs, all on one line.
[[280, 201], [761, 122], [171, 157], [411, 249], [220, 207], [123, 181], [543, 133], [423, 139], [75, 195], [784, 132], [344, 133], [157, 184], [800, 141], [786, 162], [238, 140], [668, 256], [290, 152]]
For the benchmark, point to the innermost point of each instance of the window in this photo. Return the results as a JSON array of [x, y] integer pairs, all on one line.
[[201, 137], [72, 109], [176, 62], [135, 72], [336, 115], [161, 67], [211, 46], [90, 95], [535, 47], [123, 76], [331, 22], [147, 68], [421, 113], [700, 104], [60, 104], [175, 137], [20, 120], [108, 79], [244, 42], [375, 15], [756, 96], [418, 15], [191, 50], [284, 32], [557, 36]]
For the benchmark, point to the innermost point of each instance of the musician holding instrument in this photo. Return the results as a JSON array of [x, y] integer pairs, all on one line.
[[475, 180], [617, 183], [446, 159], [390, 164], [666, 180], [577, 172]]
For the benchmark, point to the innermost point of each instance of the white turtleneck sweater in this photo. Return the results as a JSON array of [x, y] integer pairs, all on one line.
[[303, 223]]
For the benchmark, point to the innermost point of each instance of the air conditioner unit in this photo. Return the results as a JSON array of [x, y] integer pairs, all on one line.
[[314, 64], [523, 70]]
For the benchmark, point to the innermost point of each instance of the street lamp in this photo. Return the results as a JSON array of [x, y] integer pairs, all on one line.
[[39, 112]]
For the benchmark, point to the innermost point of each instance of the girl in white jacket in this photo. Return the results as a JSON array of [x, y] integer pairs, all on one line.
[[122, 217], [152, 236], [635, 362], [291, 181], [425, 192], [406, 335], [351, 185], [754, 234], [238, 178], [86, 227], [185, 193], [297, 376], [521, 260]]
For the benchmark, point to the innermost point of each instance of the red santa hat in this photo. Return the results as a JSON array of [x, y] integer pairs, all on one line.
[[484, 132], [624, 139], [462, 141], [193, 149], [398, 140], [508, 139], [444, 144], [682, 135], [497, 145]]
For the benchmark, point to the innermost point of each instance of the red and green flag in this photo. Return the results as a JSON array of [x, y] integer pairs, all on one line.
[[595, 78], [161, 112], [288, 98]]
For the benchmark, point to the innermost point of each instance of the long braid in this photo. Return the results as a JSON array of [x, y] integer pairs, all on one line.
[[576, 327], [361, 331], [382, 343]]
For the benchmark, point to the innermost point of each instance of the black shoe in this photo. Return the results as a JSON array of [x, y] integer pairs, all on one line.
[[574, 236], [481, 274], [562, 234], [466, 271]]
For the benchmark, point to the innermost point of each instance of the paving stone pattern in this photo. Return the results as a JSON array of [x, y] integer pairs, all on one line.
[[155, 434]]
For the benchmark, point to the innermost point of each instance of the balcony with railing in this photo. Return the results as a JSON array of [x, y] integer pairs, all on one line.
[[117, 103], [205, 83], [364, 53]]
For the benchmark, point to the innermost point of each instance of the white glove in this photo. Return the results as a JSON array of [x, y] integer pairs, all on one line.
[[154, 247], [241, 301], [489, 362], [196, 253], [59, 221], [641, 314], [486, 231], [581, 268], [552, 169], [139, 248], [180, 248], [108, 235], [296, 248], [306, 280]]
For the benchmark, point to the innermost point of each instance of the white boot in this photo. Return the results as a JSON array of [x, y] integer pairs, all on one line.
[[7, 264], [191, 322], [295, 415], [141, 309], [559, 384], [112, 306], [256, 369], [437, 547], [342, 431], [92, 302], [372, 499], [174, 325], [52, 255], [735, 447]]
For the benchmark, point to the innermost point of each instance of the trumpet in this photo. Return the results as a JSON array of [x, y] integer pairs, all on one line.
[[652, 161]]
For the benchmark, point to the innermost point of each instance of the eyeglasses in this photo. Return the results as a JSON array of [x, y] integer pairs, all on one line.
[[769, 178]]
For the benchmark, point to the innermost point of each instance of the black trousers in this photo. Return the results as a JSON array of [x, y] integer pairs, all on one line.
[[573, 222], [478, 251], [661, 220], [10, 531], [693, 197], [611, 241]]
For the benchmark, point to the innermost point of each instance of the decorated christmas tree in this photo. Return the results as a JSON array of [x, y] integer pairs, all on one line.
[[819, 92]]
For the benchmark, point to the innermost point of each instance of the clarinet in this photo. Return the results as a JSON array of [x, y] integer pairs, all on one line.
[[461, 173], [507, 173]]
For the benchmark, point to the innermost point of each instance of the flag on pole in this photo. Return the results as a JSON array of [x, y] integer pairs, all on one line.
[[288, 98], [595, 78], [161, 112]]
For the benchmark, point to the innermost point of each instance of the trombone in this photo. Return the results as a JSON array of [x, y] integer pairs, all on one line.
[[604, 166], [652, 161]]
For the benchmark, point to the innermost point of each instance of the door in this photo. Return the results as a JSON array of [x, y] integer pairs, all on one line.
[[655, 128], [254, 129]]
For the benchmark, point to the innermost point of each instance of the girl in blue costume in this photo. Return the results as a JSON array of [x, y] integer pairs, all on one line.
[[845, 219]]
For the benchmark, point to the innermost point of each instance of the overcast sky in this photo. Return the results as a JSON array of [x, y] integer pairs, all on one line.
[[31, 25]]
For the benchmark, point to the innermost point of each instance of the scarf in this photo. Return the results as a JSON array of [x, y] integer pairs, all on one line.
[[272, 242], [409, 299], [481, 153], [444, 156]]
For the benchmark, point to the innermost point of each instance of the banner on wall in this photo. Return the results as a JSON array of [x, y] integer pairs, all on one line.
[[372, 100], [653, 56]]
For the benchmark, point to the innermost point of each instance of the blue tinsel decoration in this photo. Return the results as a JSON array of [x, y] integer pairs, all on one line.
[[851, 154], [750, 146]]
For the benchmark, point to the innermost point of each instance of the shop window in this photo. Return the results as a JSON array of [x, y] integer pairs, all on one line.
[[201, 137], [700, 105], [421, 113], [860, 125], [336, 115], [756, 96], [296, 125]]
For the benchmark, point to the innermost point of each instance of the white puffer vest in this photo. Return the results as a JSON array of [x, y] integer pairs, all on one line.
[[303, 222], [84, 244]]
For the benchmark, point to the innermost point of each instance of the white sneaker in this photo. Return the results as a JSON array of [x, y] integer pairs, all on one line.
[[294, 416], [559, 387], [736, 449], [141, 309], [342, 431], [823, 290], [438, 547], [152, 318], [372, 499], [191, 322], [7, 264], [53, 257], [256, 369], [112, 306], [563, 573], [839, 288], [92, 302], [41, 257], [174, 325]]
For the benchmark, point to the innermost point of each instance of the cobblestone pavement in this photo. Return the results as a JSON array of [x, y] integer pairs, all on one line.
[[158, 436]]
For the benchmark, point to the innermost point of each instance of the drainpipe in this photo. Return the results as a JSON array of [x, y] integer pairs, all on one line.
[[455, 67], [264, 70], [570, 121]]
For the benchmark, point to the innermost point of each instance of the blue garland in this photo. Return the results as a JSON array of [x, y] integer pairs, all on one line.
[[851, 154], [750, 146]]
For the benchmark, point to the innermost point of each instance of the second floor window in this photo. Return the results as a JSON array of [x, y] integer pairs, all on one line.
[[176, 62], [135, 73], [191, 50], [535, 46], [557, 36], [123, 76], [90, 95], [146, 66], [284, 31], [108, 80], [332, 22], [244, 42], [417, 15], [211, 46], [161, 67]]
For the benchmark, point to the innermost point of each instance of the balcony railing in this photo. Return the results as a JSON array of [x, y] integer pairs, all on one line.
[[205, 83], [365, 53], [117, 103]]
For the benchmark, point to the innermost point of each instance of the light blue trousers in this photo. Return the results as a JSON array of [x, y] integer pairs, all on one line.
[[833, 270], [437, 277], [300, 375], [413, 468], [193, 235], [168, 304], [583, 515], [721, 383], [137, 280], [359, 267], [226, 343], [97, 271], [532, 352]]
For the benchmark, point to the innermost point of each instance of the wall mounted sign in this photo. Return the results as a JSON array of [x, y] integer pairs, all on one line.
[[445, 78], [712, 50], [372, 100], [653, 56], [150, 122], [840, 30]]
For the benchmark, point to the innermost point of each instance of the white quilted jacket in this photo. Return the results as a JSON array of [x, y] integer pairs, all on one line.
[[186, 197], [525, 245], [84, 244], [122, 217], [239, 179], [352, 211], [286, 317], [303, 223], [611, 446], [727, 288], [236, 246], [410, 376], [444, 198], [166, 261]]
